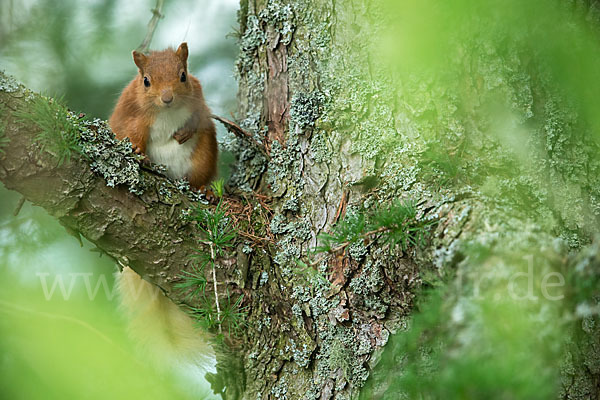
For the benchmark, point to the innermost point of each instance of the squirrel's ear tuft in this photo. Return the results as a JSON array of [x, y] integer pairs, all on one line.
[[139, 59], [182, 52]]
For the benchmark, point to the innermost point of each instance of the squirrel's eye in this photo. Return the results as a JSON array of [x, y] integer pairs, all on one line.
[[183, 77], [146, 82]]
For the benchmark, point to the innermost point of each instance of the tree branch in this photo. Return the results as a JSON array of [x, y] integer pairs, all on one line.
[[242, 134], [146, 232], [156, 15]]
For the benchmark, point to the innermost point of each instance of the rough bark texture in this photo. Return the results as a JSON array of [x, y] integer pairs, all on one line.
[[339, 140], [357, 138]]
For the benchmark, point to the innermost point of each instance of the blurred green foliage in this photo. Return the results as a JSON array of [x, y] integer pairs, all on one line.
[[496, 98], [61, 333], [503, 97]]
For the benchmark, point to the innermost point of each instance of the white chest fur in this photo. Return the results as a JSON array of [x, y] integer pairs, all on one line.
[[163, 149]]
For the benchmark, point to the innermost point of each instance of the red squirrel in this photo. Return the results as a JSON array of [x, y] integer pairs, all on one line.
[[163, 113]]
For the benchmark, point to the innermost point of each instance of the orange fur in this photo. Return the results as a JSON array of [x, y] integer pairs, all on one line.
[[138, 107]]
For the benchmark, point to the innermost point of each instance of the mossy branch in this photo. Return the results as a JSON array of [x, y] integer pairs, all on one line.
[[147, 230]]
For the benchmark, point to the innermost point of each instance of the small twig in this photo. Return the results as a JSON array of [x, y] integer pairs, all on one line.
[[19, 206], [239, 132], [156, 15], [6, 306], [214, 274], [341, 211], [254, 237]]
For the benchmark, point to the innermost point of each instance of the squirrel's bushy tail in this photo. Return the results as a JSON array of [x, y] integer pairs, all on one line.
[[163, 331]]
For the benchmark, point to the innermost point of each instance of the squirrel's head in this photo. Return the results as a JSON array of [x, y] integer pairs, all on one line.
[[164, 76]]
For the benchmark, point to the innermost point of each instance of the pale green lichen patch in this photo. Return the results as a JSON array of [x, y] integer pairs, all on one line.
[[339, 361], [369, 281], [250, 164], [281, 18], [9, 84], [284, 173], [293, 234], [113, 159], [305, 109], [252, 38], [320, 151]]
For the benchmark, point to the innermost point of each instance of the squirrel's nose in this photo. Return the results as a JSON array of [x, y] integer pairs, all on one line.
[[166, 97]]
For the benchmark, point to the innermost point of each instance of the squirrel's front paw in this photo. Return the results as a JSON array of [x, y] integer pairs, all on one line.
[[183, 135], [136, 149]]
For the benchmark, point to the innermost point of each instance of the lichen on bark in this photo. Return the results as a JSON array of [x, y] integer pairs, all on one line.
[[353, 126]]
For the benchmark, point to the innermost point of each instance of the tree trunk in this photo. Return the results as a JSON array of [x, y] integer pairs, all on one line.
[[333, 138]]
